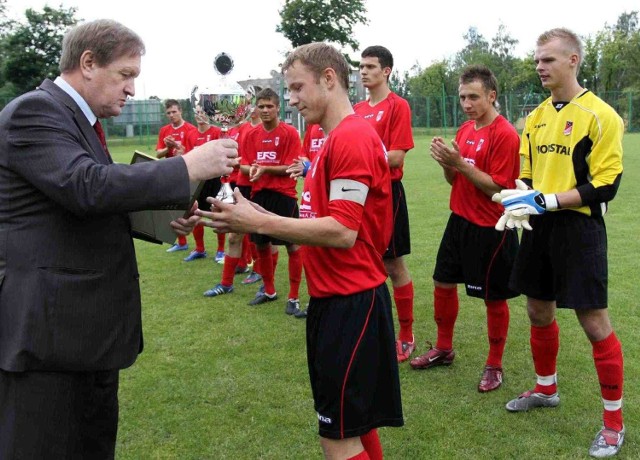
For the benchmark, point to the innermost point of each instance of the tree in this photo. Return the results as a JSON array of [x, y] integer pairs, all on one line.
[[476, 51], [307, 21], [619, 60], [31, 51], [398, 85]]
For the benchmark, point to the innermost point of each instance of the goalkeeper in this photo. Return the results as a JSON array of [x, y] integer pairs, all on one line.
[[572, 160]]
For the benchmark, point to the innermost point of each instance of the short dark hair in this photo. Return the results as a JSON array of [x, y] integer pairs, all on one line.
[[383, 54], [270, 95], [107, 39], [317, 57], [170, 103], [484, 75]]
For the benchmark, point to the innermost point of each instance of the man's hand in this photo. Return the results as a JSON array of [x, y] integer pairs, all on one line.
[[169, 141], [447, 157], [299, 167], [520, 203], [241, 217], [213, 159], [255, 172], [185, 225]]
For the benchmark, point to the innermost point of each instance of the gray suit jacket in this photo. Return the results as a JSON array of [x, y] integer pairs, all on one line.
[[69, 292]]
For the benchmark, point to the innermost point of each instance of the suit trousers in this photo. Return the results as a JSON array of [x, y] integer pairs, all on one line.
[[58, 415]]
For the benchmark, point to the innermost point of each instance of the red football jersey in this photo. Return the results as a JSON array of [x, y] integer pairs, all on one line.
[[196, 138], [313, 140], [243, 130], [494, 150], [352, 157], [391, 119], [232, 133], [277, 147], [179, 135]]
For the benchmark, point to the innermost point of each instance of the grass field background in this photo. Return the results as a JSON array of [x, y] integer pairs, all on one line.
[[221, 380]]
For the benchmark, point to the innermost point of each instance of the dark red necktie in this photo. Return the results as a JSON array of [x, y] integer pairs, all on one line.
[[100, 132]]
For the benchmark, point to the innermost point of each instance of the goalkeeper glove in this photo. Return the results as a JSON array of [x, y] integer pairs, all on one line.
[[520, 203]]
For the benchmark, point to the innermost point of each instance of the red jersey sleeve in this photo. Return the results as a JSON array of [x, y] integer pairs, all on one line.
[[400, 135]]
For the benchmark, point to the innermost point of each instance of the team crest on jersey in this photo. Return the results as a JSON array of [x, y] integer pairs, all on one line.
[[480, 145], [379, 116], [277, 140], [568, 128]]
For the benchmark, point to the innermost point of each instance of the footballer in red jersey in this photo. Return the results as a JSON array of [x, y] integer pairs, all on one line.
[[313, 139], [346, 210], [483, 159], [240, 249], [172, 137], [203, 133], [268, 150], [172, 140], [311, 143], [390, 115]]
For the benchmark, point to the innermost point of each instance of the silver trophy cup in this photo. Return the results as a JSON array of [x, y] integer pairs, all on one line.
[[225, 104]]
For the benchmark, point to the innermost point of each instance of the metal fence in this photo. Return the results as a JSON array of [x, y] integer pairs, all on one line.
[[444, 112], [141, 120]]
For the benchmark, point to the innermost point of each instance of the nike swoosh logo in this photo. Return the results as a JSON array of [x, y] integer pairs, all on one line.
[[349, 189]]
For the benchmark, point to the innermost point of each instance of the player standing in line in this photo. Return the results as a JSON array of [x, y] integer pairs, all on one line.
[[572, 150], [483, 160], [203, 133], [344, 228], [390, 115], [312, 142], [171, 139], [238, 250], [269, 149], [242, 243]]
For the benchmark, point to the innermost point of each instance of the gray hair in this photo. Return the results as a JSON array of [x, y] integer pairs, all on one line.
[[107, 39]]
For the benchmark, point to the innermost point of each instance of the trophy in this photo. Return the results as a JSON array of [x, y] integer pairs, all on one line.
[[226, 105]]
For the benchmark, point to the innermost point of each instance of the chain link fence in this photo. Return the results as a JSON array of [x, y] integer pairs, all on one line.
[[141, 120], [445, 113]]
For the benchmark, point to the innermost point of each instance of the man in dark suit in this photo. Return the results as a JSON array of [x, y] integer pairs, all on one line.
[[69, 295]]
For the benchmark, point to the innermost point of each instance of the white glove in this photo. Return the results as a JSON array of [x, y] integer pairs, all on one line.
[[520, 203]]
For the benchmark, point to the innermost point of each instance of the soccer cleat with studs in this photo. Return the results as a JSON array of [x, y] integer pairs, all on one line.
[[531, 400], [432, 358]]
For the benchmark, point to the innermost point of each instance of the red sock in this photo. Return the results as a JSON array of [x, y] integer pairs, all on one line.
[[182, 240], [607, 356], [295, 273], [198, 235], [254, 253], [221, 238], [266, 269], [403, 296], [371, 444], [274, 260], [361, 456], [445, 312], [246, 251], [545, 343], [497, 328], [229, 270]]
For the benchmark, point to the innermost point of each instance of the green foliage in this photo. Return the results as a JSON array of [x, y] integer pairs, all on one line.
[[618, 63], [398, 85], [308, 21], [31, 50], [611, 62]]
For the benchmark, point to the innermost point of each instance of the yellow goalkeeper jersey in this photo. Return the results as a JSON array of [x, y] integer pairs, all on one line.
[[574, 145]]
